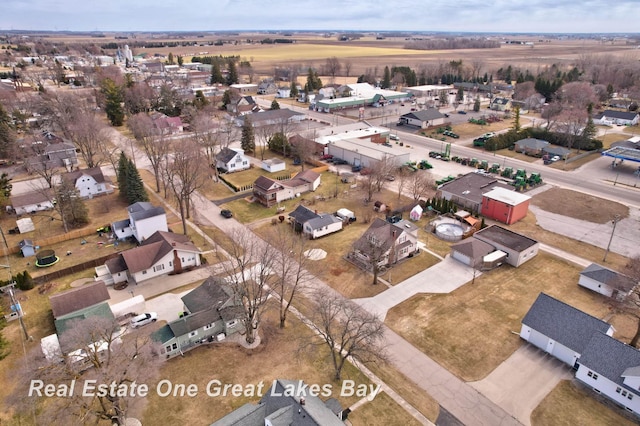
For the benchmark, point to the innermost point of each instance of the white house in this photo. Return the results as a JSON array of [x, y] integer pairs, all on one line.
[[559, 329], [623, 118], [144, 219], [232, 160], [612, 368], [424, 118], [160, 254], [32, 202], [314, 224], [89, 182], [605, 281], [283, 92]]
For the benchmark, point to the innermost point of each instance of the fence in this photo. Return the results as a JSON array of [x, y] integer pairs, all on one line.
[[73, 269], [71, 235]]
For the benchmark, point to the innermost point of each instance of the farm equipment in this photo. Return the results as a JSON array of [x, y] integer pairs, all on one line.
[[411, 166], [444, 180], [495, 168], [519, 183], [521, 173], [534, 179], [474, 162], [424, 165], [484, 164], [507, 172]]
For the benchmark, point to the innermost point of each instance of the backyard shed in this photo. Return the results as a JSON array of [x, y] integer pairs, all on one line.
[[416, 212], [25, 225], [27, 248]]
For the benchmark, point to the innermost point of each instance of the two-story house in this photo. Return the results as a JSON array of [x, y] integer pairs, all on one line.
[[89, 182], [386, 243], [144, 219], [232, 160]]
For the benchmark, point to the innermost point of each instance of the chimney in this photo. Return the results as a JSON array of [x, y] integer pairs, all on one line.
[[173, 244], [301, 400]]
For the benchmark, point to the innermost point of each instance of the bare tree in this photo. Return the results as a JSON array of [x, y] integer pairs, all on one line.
[[347, 68], [402, 177], [89, 134], [249, 273], [291, 266], [188, 172], [419, 184], [347, 330], [626, 296], [333, 67], [263, 135], [95, 353], [154, 142]]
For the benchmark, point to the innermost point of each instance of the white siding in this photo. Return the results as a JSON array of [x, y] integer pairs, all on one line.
[[461, 257], [146, 227], [595, 285], [608, 388]]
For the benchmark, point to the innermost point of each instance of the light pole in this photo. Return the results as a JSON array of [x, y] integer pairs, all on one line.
[[615, 221]]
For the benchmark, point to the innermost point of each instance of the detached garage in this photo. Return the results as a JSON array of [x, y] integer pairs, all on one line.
[[559, 329]]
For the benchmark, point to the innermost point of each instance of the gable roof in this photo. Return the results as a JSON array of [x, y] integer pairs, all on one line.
[[383, 232], [211, 293], [308, 176], [78, 298], [473, 248], [154, 248], [424, 115], [323, 220], [144, 210], [563, 323], [227, 154], [194, 321], [608, 277], [611, 358], [532, 143], [622, 115], [303, 214], [30, 198], [94, 172], [266, 184]]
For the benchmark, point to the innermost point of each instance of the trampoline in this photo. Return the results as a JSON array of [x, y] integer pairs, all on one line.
[[46, 258]]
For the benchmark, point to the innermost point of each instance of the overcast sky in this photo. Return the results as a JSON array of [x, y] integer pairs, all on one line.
[[559, 16]]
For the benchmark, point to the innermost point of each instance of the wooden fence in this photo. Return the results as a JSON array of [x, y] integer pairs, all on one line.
[[71, 235], [73, 269]]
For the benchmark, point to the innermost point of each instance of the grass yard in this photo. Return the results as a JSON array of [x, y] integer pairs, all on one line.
[[470, 331], [264, 363], [385, 411], [581, 206], [571, 404]]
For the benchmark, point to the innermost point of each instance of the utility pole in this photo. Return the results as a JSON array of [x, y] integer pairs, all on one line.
[[615, 221]]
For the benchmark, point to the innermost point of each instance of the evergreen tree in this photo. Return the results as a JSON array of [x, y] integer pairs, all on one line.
[[232, 76], [226, 98], [460, 94], [476, 104], [309, 87], [386, 80], [294, 90], [590, 130], [180, 61], [216, 74], [248, 140], [113, 102], [275, 104], [122, 171], [170, 58], [516, 119], [7, 133], [135, 185], [278, 143]]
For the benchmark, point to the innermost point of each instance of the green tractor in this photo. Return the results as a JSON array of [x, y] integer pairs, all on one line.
[[507, 172], [495, 168]]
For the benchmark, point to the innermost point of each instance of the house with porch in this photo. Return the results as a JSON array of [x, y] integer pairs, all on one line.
[[211, 312], [160, 254], [386, 243], [89, 182], [270, 192]]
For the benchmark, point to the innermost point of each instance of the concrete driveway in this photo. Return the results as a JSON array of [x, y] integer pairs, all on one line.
[[521, 382], [168, 306], [443, 277]]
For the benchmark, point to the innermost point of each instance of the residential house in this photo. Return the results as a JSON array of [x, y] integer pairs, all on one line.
[[517, 247], [232, 160], [51, 153], [269, 192], [504, 205], [211, 312], [160, 254], [424, 118], [499, 104], [611, 368], [386, 243], [621, 118], [167, 125], [283, 92], [267, 88], [32, 202], [287, 402], [245, 87], [471, 252], [313, 224], [144, 220], [89, 182], [467, 190], [560, 329], [606, 281], [243, 105], [531, 146]]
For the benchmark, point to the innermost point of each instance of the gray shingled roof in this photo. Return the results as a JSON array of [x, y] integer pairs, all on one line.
[[610, 358], [473, 248], [188, 323], [505, 237], [621, 115], [532, 143], [607, 276], [424, 115], [323, 220], [563, 323], [303, 214], [472, 185], [226, 155], [78, 298], [212, 293]]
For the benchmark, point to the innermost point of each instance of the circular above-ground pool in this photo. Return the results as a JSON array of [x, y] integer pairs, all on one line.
[[449, 231], [46, 258]]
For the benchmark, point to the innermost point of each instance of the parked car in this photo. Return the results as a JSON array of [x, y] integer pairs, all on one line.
[[355, 168], [387, 144], [326, 157], [394, 137], [338, 161], [462, 112], [226, 214], [143, 319], [390, 178]]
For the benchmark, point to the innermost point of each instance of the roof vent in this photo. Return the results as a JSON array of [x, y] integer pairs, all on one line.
[[302, 401]]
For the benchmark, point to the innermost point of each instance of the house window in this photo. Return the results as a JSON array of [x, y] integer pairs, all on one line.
[[193, 333], [170, 263], [618, 389], [168, 348], [144, 272], [174, 346], [593, 375], [208, 326], [231, 323]]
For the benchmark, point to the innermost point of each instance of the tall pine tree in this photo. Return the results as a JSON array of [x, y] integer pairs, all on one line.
[[135, 186], [123, 164], [248, 140]]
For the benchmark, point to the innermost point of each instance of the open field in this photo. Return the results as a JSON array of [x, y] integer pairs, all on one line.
[[581, 206], [571, 404]]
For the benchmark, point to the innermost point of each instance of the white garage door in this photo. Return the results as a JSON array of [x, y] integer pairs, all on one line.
[[461, 258], [538, 339]]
